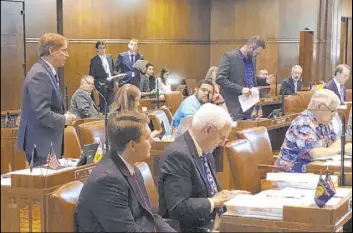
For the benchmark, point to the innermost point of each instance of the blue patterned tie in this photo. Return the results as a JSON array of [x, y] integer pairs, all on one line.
[[212, 187]]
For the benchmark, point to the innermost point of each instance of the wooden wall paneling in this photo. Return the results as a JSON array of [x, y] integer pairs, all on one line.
[[306, 46], [40, 17], [123, 19], [12, 55], [346, 8]]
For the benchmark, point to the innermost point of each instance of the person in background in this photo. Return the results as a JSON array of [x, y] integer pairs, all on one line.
[[349, 127], [147, 84], [82, 104], [189, 191], [292, 84], [236, 76], [338, 81], [114, 197], [163, 85], [102, 67], [263, 73], [211, 75], [126, 99], [42, 111], [311, 134], [125, 63], [190, 105]]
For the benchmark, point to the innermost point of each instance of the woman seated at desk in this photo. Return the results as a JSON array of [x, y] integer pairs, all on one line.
[[126, 99], [311, 134], [162, 82]]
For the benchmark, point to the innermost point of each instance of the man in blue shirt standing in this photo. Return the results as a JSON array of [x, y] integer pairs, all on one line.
[[203, 94], [236, 75]]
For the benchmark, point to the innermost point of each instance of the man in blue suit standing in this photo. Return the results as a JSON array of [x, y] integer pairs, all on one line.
[[338, 81], [42, 112], [125, 61]]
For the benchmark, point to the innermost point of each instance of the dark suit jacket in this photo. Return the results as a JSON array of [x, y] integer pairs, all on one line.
[[331, 85], [230, 77], [42, 119], [287, 87], [123, 62], [96, 70], [182, 185], [110, 201]]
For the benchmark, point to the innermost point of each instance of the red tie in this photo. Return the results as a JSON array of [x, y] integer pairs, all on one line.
[[144, 199]]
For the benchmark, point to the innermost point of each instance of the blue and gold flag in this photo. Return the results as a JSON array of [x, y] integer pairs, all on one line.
[[325, 190]]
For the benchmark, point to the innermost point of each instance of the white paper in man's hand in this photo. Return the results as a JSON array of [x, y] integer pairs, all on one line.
[[119, 76], [246, 102]]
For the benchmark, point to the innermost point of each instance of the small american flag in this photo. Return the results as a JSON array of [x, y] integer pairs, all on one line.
[[52, 161]]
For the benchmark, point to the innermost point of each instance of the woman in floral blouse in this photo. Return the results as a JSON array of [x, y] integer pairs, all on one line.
[[311, 134]]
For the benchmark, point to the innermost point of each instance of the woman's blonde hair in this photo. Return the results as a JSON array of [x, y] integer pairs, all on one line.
[[125, 99], [211, 73]]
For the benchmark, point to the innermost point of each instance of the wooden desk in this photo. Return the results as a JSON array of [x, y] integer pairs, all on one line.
[[26, 205], [298, 219], [11, 158]]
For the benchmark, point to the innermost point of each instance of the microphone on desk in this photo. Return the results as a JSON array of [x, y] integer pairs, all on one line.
[[276, 85], [105, 119], [105, 116], [343, 143], [66, 99], [157, 93]]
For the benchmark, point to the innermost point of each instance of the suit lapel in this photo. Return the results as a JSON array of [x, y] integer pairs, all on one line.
[[335, 88], [291, 81], [124, 170], [52, 78], [190, 143]]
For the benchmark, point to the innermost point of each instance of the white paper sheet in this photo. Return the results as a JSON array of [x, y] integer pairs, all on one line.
[[246, 102]]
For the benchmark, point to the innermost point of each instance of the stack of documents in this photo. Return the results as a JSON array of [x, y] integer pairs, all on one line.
[[268, 204], [296, 180]]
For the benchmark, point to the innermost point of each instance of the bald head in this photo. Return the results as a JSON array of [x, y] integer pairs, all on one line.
[[342, 73], [87, 83]]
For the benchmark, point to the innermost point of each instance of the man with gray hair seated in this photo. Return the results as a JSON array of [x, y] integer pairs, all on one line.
[[82, 104], [189, 191], [292, 84], [311, 134]]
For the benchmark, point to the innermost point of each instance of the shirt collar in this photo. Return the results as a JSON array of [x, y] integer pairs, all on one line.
[[50, 66], [337, 84], [129, 167], [198, 149], [131, 54], [102, 56]]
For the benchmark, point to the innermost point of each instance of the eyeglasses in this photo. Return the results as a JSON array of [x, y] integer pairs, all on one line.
[[328, 110], [224, 138], [206, 90]]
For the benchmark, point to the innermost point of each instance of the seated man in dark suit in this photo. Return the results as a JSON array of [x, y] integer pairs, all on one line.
[[114, 197], [292, 84], [189, 191], [338, 81]]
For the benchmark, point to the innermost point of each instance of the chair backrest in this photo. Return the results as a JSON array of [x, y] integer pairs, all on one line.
[[272, 91], [88, 131], [64, 200], [260, 143], [305, 97], [78, 122], [167, 113], [149, 184], [145, 103], [348, 94], [72, 147], [190, 86], [96, 97], [162, 117], [173, 99], [243, 166], [293, 104]]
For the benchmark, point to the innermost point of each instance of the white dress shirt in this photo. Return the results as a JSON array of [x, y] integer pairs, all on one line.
[[105, 64]]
